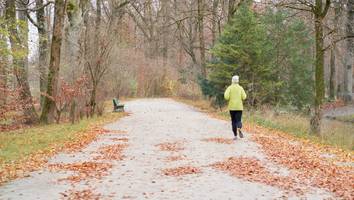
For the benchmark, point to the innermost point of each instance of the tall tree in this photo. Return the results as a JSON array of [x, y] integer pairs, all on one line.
[[43, 48], [215, 21], [201, 10], [348, 68], [19, 48], [48, 111], [319, 10], [332, 62], [41, 25], [4, 54]]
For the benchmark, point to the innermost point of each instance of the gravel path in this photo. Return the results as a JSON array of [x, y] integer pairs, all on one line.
[[140, 176]]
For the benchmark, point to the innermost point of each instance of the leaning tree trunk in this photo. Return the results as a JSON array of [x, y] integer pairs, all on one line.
[[48, 111], [348, 76], [42, 50], [18, 41]]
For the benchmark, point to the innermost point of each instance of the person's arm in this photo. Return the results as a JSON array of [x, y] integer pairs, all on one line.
[[243, 94], [227, 94]]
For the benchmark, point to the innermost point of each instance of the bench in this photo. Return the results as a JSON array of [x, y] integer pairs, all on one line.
[[117, 107]]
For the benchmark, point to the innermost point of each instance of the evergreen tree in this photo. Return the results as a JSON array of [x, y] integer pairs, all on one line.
[[271, 53], [243, 49], [292, 58]]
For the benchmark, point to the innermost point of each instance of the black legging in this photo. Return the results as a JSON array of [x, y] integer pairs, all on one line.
[[236, 116]]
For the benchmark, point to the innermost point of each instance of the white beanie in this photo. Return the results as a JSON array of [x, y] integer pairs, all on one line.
[[235, 79]]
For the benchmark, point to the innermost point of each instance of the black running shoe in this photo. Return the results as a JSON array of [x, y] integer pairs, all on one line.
[[240, 133]]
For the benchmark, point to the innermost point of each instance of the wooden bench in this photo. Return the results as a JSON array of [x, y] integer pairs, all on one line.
[[117, 107]]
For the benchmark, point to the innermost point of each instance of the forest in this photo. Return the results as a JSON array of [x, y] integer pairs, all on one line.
[[61, 60]]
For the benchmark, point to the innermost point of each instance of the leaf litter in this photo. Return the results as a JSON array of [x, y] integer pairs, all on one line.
[[219, 140], [305, 159], [181, 171], [83, 170], [251, 169], [175, 158], [170, 146], [111, 152], [86, 194]]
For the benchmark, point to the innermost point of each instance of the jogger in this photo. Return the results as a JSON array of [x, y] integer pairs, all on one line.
[[235, 95]]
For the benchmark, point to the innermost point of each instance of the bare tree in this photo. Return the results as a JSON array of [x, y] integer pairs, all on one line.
[[41, 25], [49, 107], [3, 61], [333, 71], [348, 70], [215, 20], [201, 36], [18, 40]]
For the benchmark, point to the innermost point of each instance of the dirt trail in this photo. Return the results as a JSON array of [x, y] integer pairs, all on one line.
[[159, 136]]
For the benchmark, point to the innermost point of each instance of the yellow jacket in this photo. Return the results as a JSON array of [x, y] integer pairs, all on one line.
[[235, 94]]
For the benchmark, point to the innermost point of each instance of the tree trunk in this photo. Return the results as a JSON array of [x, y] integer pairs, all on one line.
[[18, 40], [201, 37], [333, 71], [93, 100], [320, 12], [48, 110], [332, 77], [165, 30], [42, 50], [215, 20], [96, 60], [3, 67], [231, 8], [348, 76]]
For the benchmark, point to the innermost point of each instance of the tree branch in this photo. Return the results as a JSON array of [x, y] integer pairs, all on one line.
[[339, 40], [324, 12], [31, 20], [35, 9]]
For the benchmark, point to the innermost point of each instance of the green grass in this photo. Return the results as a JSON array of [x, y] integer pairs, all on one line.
[[346, 118], [16, 145], [335, 133]]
